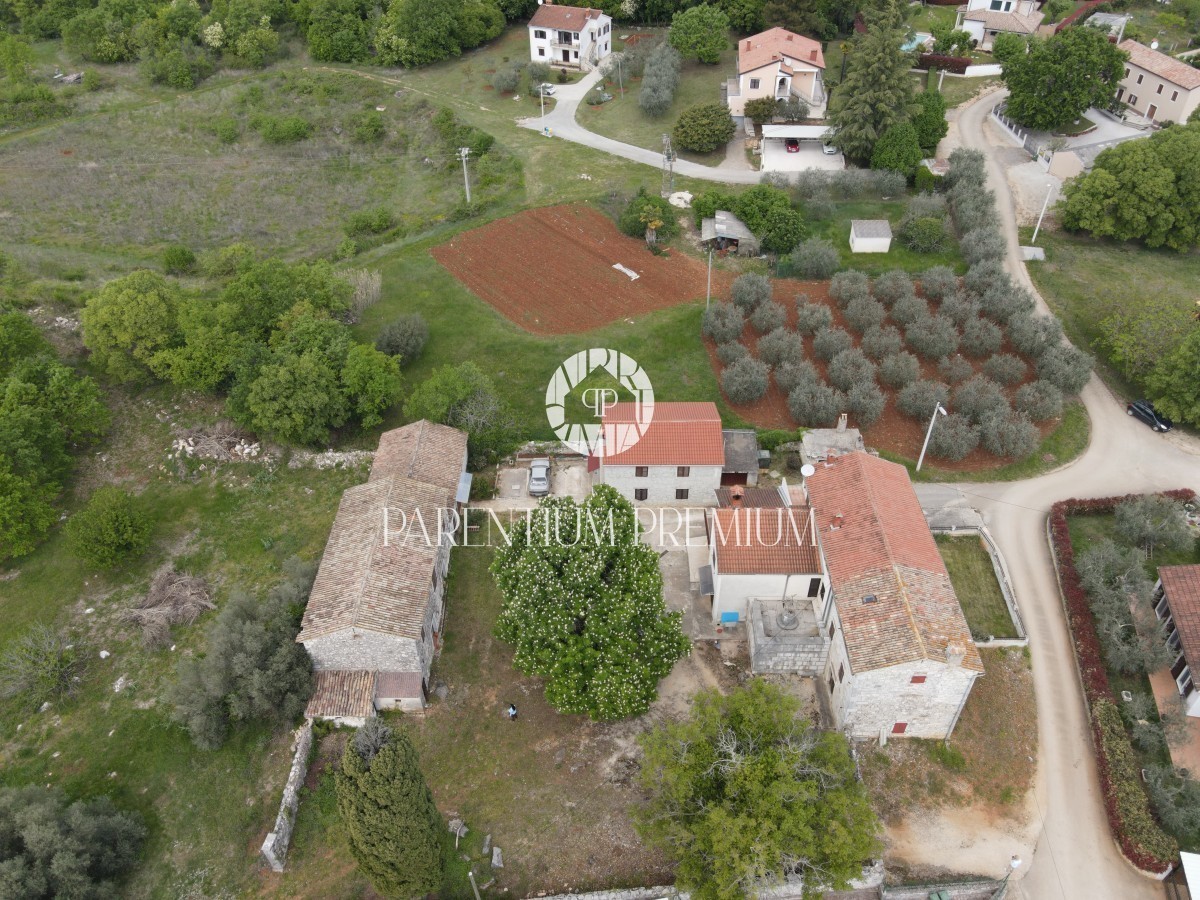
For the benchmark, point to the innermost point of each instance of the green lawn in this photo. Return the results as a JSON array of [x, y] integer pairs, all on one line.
[[1079, 126], [623, 120], [1085, 280], [924, 18], [974, 580], [1152, 22], [837, 231], [956, 89]]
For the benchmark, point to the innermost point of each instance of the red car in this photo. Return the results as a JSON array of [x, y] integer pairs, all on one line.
[[792, 145]]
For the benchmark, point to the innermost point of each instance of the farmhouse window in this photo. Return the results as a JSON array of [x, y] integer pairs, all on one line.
[[918, 679], [1174, 96], [832, 630], [681, 493], [814, 585], [841, 672], [641, 471], [1127, 71], [641, 494], [542, 36], [576, 54], [754, 84], [900, 728], [541, 51], [1159, 91], [830, 684], [683, 471], [1140, 77]]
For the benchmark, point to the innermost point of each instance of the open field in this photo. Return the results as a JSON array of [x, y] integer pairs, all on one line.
[[836, 230], [975, 583]]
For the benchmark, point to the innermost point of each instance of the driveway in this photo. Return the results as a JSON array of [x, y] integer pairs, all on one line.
[[777, 159], [1075, 858]]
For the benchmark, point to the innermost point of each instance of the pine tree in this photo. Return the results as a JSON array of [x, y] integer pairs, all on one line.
[[876, 92], [388, 813]]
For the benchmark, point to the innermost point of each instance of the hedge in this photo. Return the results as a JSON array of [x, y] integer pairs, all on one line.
[[1139, 836], [956, 64]]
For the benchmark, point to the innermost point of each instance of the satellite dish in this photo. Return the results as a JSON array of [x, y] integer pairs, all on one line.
[[1154, 45], [807, 469]]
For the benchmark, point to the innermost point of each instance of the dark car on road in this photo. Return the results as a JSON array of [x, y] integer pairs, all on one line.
[[1144, 410]]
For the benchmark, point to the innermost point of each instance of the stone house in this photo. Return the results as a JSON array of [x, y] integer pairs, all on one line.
[[780, 64], [374, 617], [1157, 86], [569, 36], [679, 457], [1177, 605], [901, 659], [984, 19]]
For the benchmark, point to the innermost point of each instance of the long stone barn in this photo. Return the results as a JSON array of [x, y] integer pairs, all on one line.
[[374, 617]]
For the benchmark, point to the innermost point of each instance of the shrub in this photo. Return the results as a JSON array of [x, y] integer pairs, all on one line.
[[981, 338], [768, 317], [820, 210], [897, 149], [889, 183], [723, 322], [1003, 301], [865, 313], [1010, 435], [881, 341], [109, 528], [865, 402], [227, 129], [932, 336], [893, 286], [924, 235], [960, 307], [659, 80], [539, 73], [1066, 367], [1034, 334], [954, 437], [282, 129], [982, 243], [899, 369], [1039, 400], [983, 275], [704, 127], [939, 283], [815, 258], [404, 337], [783, 231], [919, 398], [731, 351], [178, 260], [955, 370], [1004, 368], [978, 398], [645, 209], [706, 203], [851, 367], [789, 375], [507, 78], [815, 404], [368, 127], [41, 666], [849, 285], [924, 180], [370, 221], [829, 342], [812, 317], [780, 346], [746, 380], [753, 206]]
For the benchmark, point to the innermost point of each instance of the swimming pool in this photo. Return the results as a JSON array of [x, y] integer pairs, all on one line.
[[920, 39]]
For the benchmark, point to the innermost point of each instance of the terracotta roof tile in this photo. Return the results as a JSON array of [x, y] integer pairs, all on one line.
[[567, 18], [423, 451], [1166, 67], [882, 547], [341, 694], [679, 434], [1182, 587], [751, 497], [399, 684], [1005, 21], [764, 540], [766, 47]]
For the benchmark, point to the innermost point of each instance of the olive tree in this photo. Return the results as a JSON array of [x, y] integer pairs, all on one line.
[[829, 342], [1066, 367], [849, 285], [891, 286], [1005, 368], [932, 336], [750, 291], [981, 337], [1039, 400], [723, 322], [790, 375], [768, 316], [954, 437], [746, 380], [939, 282], [899, 369], [849, 368], [812, 317], [815, 258], [864, 313], [960, 307], [919, 398], [865, 401], [979, 397], [955, 369], [731, 351], [908, 309], [781, 345], [815, 404], [1010, 435], [1154, 522]]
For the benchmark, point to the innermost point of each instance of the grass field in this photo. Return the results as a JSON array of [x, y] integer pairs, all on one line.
[[837, 231], [975, 583]]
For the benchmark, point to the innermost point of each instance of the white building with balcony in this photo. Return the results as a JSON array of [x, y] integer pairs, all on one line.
[[569, 36], [780, 64]]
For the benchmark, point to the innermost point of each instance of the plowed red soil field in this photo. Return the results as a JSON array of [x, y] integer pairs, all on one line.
[[550, 270]]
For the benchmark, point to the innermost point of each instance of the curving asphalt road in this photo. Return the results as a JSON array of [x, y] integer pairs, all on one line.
[[1075, 858]]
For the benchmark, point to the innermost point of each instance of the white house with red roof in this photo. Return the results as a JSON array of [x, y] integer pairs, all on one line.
[[678, 459], [574, 37], [1157, 86], [780, 64], [901, 659], [1177, 605]]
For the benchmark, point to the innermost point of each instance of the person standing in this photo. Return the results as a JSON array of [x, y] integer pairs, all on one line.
[[512, 712]]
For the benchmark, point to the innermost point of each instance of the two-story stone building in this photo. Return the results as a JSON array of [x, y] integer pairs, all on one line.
[[373, 620], [569, 36]]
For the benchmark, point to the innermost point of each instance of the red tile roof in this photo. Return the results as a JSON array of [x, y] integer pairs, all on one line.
[[750, 497], [877, 544], [566, 18], [1166, 67], [679, 434], [341, 694], [761, 540], [1182, 587], [436, 454], [774, 44]]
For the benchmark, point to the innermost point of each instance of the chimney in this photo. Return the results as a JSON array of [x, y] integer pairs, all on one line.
[[955, 653], [747, 47], [837, 522], [735, 496], [812, 54], [789, 37], [841, 425]]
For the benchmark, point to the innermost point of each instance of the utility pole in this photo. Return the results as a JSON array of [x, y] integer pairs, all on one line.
[[463, 153], [668, 182], [938, 409], [620, 79], [1038, 227], [708, 292]]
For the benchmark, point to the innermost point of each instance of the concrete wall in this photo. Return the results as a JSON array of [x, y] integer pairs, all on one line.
[[662, 481], [1148, 94], [275, 846], [733, 592]]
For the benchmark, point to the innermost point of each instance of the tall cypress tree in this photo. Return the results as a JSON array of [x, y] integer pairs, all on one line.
[[388, 813], [877, 92]]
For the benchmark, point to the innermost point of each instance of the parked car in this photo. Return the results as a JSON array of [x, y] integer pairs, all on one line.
[[1144, 410], [829, 149], [545, 89], [539, 477], [792, 145]]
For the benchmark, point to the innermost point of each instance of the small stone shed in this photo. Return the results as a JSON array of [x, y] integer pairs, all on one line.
[[870, 236], [726, 231]]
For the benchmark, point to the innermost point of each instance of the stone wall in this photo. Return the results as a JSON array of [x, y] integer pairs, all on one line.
[[882, 697], [365, 651], [802, 651], [662, 482], [275, 846]]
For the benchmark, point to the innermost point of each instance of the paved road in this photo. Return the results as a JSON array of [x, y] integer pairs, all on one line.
[[1075, 857], [562, 125]]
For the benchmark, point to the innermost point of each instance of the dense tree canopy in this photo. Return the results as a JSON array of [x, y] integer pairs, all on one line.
[[700, 33], [898, 150], [462, 396], [746, 791], [1061, 77], [583, 606], [704, 128]]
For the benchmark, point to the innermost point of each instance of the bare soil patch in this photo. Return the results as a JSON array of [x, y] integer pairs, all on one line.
[[550, 270]]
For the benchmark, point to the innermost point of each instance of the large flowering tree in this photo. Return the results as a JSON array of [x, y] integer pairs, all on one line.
[[583, 606]]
